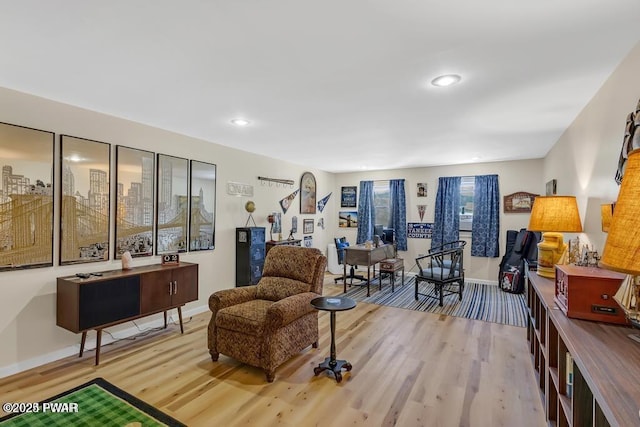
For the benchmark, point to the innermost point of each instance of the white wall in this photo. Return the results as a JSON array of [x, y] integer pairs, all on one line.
[[585, 158], [28, 330], [524, 175]]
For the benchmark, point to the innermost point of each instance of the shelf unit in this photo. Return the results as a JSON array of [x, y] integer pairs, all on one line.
[[606, 364]]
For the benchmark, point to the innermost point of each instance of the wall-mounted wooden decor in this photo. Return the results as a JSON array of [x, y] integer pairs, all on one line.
[[134, 205], [84, 214], [520, 202], [26, 197]]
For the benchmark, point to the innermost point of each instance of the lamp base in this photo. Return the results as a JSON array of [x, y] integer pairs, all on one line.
[[551, 251]]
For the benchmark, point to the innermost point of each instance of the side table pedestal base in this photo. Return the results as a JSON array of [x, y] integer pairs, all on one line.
[[334, 366]]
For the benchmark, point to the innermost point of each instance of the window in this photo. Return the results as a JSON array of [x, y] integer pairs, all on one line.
[[467, 187], [382, 202]]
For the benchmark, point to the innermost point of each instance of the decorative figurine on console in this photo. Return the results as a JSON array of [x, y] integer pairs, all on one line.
[[127, 261]]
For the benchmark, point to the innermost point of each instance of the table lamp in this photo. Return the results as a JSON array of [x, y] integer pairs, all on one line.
[[606, 213], [553, 215], [622, 248]]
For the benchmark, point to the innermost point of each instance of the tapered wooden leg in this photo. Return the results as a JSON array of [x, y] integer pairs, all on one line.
[[98, 343], [180, 317], [83, 340], [165, 319]]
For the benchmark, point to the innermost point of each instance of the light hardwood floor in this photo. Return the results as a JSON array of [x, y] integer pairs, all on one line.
[[409, 369]]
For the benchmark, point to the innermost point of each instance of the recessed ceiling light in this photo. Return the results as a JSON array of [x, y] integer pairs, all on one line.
[[446, 80], [240, 122]]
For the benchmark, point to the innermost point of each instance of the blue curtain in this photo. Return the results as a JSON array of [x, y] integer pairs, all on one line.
[[486, 217], [398, 212], [447, 211], [366, 212]]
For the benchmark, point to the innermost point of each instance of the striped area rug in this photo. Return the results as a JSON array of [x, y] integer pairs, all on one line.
[[479, 301]]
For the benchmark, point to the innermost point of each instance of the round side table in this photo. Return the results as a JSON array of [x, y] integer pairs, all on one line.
[[332, 305]]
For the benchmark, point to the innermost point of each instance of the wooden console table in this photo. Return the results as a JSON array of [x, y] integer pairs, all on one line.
[[606, 364], [118, 296], [289, 242]]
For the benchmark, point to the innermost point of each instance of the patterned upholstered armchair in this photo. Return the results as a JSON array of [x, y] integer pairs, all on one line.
[[266, 324]]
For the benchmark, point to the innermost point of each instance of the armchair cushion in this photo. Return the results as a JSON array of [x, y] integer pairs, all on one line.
[[294, 265], [277, 288], [228, 297], [439, 273], [285, 311], [247, 317]]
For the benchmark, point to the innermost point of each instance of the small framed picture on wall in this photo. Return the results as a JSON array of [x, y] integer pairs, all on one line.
[[348, 197], [307, 226]]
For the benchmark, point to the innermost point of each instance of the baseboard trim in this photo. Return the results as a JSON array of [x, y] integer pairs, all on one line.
[[25, 365]]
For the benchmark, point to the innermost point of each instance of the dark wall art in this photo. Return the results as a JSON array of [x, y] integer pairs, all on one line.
[[348, 197], [26, 197], [84, 214], [134, 205]]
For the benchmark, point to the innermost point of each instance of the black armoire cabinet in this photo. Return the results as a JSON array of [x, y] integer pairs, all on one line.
[[250, 252]]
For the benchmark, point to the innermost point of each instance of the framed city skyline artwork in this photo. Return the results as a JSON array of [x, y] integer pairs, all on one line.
[[134, 203], [172, 204], [348, 219], [203, 206], [84, 213], [26, 197]]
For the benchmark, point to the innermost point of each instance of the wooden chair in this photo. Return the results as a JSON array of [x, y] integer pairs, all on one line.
[[444, 267]]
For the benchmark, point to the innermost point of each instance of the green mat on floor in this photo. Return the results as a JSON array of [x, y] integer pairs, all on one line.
[[96, 403]]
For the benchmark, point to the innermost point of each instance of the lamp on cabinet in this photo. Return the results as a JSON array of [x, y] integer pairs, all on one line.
[[553, 215], [622, 248]]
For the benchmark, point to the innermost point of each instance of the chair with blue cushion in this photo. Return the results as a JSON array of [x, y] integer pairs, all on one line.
[[341, 244], [444, 267]]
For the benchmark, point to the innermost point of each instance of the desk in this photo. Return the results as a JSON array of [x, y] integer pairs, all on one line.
[[361, 255], [333, 304]]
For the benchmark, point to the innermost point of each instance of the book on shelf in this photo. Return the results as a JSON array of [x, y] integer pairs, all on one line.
[[569, 371]]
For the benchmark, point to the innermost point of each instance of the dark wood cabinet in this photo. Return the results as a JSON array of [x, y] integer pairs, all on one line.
[[250, 253], [587, 371], [117, 296], [168, 287]]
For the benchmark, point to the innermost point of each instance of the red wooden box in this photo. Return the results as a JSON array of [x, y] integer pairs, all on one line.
[[587, 293]]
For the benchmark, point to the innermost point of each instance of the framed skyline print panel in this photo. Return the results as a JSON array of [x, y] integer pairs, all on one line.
[[26, 197], [134, 203], [172, 204], [202, 220], [84, 213]]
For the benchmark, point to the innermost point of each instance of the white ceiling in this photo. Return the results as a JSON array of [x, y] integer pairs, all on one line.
[[339, 85]]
